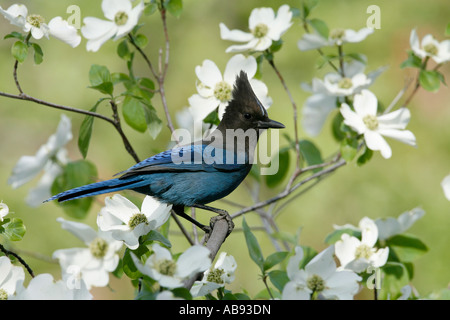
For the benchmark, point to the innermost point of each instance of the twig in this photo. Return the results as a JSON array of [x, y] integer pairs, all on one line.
[[287, 192], [118, 127], [15, 255], [294, 108]]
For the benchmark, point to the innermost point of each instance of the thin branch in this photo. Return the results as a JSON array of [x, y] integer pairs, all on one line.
[[16, 80], [15, 255], [118, 127], [287, 192], [294, 108]]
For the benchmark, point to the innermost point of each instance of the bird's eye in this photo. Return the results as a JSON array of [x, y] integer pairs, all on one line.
[[247, 116]]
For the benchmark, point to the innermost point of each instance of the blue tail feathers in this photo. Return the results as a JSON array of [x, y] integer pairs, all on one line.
[[97, 188]]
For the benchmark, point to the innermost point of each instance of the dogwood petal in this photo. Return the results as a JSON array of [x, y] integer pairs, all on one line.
[[376, 142], [112, 7], [208, 73], [61, 30], [234, 35], [445, 184], [315, 112], [311, 41], [404, 136], [261, 15], [239, 63], [352, 119], [365, 103]]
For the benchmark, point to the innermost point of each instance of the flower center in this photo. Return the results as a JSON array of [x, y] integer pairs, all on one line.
[[215, 276], [98, 248], [136, 219], [3, 294], [120, 18], [35, 20], [315, 283], [371, 122], [167, 267], [431, 49], [222, 91], [260, 30], [363, 251], [337, 34], [345, 83]]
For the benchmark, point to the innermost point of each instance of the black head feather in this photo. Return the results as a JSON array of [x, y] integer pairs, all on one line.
[[245, 111]]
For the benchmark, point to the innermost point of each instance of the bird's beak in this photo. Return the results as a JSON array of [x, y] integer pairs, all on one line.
[[269, 123]]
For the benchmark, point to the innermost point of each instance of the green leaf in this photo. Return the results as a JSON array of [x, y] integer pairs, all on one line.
[[16, 35], [123, 51], [14, 229], [38, 53], [154, 123], [278, 278], [365, 157], [212, 118], [154, 235], [413, 61], [395, 277], [141, 41], [407, 247], [128, 266], [274, 259], [307, 6], [430, 80], [75, 174], [336, 127], [253, 247], [100, 79], [134, 113], [358, 57], [320, 26], [272, 180], [310, 153], [447, 30], [19, 51], [175, 7], [84, 137], [349, 149]]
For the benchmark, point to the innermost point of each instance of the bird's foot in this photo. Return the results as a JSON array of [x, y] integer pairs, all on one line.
[[222, 215]]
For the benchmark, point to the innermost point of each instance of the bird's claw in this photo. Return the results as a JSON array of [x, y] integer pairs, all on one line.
[[222, 215]]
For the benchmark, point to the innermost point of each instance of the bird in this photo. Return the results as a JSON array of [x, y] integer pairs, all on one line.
[[197, 173]]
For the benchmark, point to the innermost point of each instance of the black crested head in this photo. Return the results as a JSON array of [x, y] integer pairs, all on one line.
[[245, 111]]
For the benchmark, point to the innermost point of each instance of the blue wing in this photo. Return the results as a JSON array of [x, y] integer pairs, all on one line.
[[190, 158]]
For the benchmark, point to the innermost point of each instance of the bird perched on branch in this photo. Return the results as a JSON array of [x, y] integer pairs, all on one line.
[[196, 174]]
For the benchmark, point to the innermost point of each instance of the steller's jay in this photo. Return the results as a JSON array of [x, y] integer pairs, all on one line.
[[201, 172]]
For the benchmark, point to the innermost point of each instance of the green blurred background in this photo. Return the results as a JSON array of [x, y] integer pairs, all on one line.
[[381, 188]]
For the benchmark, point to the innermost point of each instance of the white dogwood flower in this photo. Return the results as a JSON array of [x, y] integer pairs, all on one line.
[[264, 27], [127, 223], [49, 158], [319, 277], [430, 47], [215, 90], [58, 28], [364, 120], [11, 278], [327, 93], [216, 277], [122, 18], [337, 37], [44, 287], [170, 273], [4, 210], [92, 263], [357, 255], [389, 227], [446, 186]]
